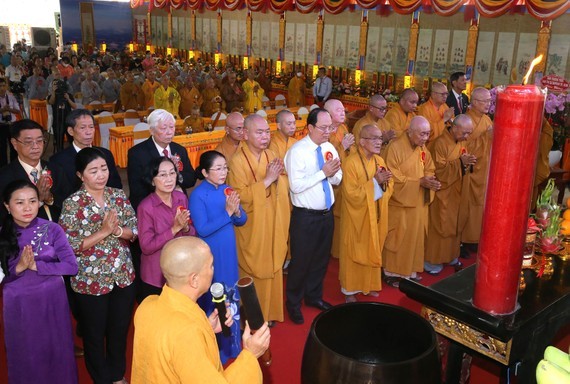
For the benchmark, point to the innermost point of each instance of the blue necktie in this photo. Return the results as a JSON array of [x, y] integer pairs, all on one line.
[[325, 182]]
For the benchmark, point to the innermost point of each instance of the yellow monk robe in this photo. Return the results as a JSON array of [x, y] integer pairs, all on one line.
[[162, 100], [443, 237], [279, 146], [398, 120], [227, 148], [210, 107], [335, 139], [475, 183], [148, 89], [363, 223], [367, 120], [408, 207], [197, 124], [132, 96], [252, 98], [174, 343], [542, 167], [262, 241], [296, 92], [188, 99], [435, 117]]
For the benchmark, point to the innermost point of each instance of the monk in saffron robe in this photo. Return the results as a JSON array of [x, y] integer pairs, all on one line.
[[149, 86], [414, 186], [343, 142], [296, 91], [234, 135], [190, 97], [283, 139], [257, 175], [401, 114], [451, 162], [174, 341], [377, 107], [253, 93], [366, 189], [436, 111], [166, 97], [475, 181], [211, 100]]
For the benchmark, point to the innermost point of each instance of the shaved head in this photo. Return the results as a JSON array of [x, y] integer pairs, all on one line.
[[480, 100], [253, 121], [409, 100], [462, 127], [336, 110], [182, 257], [438, 87], [419, 131], [369, 129]]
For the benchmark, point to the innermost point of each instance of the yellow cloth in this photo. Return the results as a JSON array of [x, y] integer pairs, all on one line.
[[367, 120], [335, 139], [443, 238], [398, 120], [252, 98], [475, 183], [408, 207], [188, 99], [197, 124], [262, 241], [161, 100], [148, 89], [227, 148], [363, 223], [279, 146], [296, 92], [174, 343], [435, 117], [209, 107], [132, 96]]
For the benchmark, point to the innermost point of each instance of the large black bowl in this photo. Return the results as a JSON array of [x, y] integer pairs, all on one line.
[[370, 343]]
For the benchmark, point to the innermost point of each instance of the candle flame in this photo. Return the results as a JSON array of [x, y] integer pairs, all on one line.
[[534, 62]]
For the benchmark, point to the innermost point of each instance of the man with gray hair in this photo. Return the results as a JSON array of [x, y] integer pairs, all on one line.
[[158, 144]]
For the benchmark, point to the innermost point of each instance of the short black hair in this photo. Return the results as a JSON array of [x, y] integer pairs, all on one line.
[[455, 76], [23, 124], [152, 169], [86, 156], [314, 114]]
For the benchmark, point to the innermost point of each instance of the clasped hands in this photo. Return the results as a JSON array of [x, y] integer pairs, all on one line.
[[26, 261], [430, 182]]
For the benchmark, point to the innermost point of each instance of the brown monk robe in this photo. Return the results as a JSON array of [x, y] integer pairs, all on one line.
[[475, 181], [364, 216], [542, 167], [451, 161], [414, 185], [343, 142], [257, 175], [234, 136]]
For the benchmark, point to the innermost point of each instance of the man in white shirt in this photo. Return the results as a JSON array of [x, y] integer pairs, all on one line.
[[8, 108], [313, 166], [322, 88]]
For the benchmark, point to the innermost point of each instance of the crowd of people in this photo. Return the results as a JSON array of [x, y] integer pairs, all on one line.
[[398, 194]]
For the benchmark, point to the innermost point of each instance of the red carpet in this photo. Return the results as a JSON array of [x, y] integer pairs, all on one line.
[[288, 339]]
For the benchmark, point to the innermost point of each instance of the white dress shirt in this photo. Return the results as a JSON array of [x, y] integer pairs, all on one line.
[[305, 175], [323, 87]]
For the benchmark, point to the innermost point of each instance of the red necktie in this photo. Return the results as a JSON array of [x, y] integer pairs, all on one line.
[[165, 152]]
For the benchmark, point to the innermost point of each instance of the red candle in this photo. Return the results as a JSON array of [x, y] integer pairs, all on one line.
[[518, 119]]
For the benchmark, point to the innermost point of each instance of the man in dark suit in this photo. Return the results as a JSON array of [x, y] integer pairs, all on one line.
[[456, 98], [81, 126], [28, 141], [159, 144]]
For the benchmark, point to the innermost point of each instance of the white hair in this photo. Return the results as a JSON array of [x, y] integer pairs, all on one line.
[[158, 116]]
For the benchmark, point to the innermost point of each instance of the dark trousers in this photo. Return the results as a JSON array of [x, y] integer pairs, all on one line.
[[311, 240], [144, 290], [105, 321], [5, 144]]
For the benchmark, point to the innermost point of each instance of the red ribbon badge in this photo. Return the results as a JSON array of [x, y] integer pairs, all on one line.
[[47, 174], [328, 156], [176, 159], [423, 157], [228, 191], [463, 151], [381, 168]]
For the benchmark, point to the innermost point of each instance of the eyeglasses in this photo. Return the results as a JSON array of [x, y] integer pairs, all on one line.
[[31, 143], [236, 129], [440, 93], [222, 169], [373, 139], [164, 175], [325, 129], [379, 108], [488, 101]]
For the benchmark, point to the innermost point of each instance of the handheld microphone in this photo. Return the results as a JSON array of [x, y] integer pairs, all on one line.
[[219, 300]]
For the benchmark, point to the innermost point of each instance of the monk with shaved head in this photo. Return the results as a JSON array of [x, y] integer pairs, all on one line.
[[436, 111], [174, 340], [234, 135], [400, 115], [258, 176], [475, 181]]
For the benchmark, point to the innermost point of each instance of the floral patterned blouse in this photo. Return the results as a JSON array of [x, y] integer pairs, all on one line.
[[107, 263]]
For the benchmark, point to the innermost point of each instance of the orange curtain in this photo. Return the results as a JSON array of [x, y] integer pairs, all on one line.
[[547, 10], [446, 7], [405, 7]]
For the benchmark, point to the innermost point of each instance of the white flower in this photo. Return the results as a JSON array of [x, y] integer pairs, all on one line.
[[88, 269]]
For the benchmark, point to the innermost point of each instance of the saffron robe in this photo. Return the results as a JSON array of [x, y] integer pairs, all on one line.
[[475, 183], [161, 100], [296, 92], [148, 89], [188, 99], [363, 223], [252, 98], [443, 235], [408, 207], [368, 119], [435, 117], [209, 107], [262, 241], [227, 148], [398, 120], [174, 343]]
